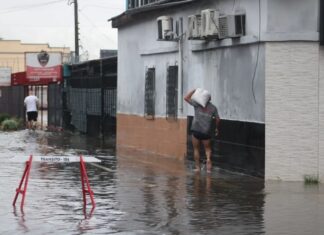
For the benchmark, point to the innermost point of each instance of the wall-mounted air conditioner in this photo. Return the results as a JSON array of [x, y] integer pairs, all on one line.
[[165, 28], [209, 23], [194, 27], [231, 26], [179, 27]]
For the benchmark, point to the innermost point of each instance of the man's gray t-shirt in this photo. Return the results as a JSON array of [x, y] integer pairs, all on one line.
[[204, 117]]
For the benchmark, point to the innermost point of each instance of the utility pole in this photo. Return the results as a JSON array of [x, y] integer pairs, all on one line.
[[76, 29], [321, 25]]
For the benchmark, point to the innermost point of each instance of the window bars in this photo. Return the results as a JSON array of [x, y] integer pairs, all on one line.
[[149, 108], [172, 92]]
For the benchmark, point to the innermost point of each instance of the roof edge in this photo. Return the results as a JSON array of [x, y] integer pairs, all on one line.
[[128, 15]]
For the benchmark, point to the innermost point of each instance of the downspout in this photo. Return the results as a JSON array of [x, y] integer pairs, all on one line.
[[180, 77], [321, 39], [102, 114]]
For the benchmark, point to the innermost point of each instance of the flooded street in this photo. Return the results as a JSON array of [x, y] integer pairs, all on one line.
[[134, 196]]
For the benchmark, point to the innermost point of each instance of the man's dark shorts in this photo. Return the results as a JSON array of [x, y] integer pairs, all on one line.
[[200, 136], [32, 116]]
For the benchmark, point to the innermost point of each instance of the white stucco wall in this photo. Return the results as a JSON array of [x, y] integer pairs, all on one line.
[[273, 75], [292, 107], [237, 86], [235, 77], [294, 17], [220, 66]]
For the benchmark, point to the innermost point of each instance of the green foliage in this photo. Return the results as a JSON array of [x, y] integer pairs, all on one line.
[[20, 122], [10, 125], [311, 180], [4, 116]]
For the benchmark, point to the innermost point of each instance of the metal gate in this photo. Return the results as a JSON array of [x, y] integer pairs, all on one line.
[[55, 105], [90, 97]]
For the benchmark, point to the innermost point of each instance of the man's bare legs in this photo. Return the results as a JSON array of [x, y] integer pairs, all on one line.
[[208, 151], [29, 124], [33, 125], [196, 146]]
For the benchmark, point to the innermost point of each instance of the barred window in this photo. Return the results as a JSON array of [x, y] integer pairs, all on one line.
[[140, 3], [172, 92], [149, 108]]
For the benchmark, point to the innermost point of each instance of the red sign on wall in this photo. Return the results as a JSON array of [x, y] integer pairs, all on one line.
[[43, 68], [19, 79]]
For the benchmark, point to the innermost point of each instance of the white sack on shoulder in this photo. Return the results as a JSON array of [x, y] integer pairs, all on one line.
[[201, 96]]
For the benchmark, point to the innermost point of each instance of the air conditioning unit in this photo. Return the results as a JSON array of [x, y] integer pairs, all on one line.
[[194, 27], [179, 27], [209, 23], [165, 28], [231, 26]]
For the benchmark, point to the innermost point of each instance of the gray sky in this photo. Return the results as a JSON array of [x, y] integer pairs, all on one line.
[[52, 22]]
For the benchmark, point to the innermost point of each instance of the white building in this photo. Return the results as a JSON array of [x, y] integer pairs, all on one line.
[[262, 62]]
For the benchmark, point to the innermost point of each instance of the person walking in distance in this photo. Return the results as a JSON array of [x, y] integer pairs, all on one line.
[[205, 119], [31, 104]]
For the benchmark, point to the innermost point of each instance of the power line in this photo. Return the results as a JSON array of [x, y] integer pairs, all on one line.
[[258, 52], [102, 7], [29, 6], [95, 26]]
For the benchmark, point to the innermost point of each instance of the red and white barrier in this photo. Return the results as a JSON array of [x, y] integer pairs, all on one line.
[[86, 189]]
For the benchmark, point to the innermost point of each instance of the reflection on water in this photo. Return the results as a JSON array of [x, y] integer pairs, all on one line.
[[298, 208], [20, 216], [137, 197], [226, 206]]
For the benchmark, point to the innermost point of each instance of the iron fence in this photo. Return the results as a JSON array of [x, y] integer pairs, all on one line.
[[90, 96], [55, 105], [12, 101]]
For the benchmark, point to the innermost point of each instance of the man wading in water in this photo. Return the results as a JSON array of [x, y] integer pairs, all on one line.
[[202, 125], [31, 104]]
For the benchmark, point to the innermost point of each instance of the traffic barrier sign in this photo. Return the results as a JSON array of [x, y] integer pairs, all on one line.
[[54, 159], [86, 189], [24, 180]]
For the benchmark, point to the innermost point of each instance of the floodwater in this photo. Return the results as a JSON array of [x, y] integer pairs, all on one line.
[[136, 196]]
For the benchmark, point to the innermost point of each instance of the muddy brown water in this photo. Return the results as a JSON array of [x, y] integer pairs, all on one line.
[[134, 196]]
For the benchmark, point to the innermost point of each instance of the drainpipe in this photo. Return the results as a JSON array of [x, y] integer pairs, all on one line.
[[102, 90], [180, 77]]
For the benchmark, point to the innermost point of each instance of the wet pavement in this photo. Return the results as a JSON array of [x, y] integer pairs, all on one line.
[[136, 196]]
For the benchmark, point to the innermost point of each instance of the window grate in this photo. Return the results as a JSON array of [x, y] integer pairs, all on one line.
[[172, 92], [149, 108]]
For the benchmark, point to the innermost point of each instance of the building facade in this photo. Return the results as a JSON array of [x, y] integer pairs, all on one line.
[[12, 53], [265, 77]]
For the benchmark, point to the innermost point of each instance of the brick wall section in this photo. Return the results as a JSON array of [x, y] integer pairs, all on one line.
[[292, 110], [137, 136]]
